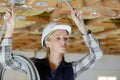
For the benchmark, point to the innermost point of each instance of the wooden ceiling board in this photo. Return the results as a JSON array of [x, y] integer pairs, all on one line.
[[23, 24]]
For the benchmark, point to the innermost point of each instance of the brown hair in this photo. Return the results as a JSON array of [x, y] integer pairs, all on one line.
[[47, 38]]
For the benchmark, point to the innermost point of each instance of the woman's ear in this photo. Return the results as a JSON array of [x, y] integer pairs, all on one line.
[[47, 43]]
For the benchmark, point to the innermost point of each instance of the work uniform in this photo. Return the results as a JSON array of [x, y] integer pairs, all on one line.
[[63, 72]]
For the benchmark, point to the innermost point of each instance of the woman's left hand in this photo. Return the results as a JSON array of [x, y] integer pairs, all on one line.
[[77, 18]]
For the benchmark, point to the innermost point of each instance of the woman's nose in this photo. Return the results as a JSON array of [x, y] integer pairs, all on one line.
[[64, 40]]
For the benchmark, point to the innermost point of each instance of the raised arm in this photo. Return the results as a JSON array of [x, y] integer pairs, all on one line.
[[9, 16], [6, 57], [95, 51]]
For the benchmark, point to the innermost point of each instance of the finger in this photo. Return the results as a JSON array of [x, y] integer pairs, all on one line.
[[7, 15], [12, 12], [74, 12], [78, 14], [9, 11]]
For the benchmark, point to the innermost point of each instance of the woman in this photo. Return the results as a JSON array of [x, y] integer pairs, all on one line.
[[55, 39]]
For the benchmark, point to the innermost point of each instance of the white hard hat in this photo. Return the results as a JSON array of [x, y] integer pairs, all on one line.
[[51, 27]]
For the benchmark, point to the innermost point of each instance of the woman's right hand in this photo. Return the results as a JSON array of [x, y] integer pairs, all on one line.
[[9, 17]]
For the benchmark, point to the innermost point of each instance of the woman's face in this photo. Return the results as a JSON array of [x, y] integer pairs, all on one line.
[[58, 41]]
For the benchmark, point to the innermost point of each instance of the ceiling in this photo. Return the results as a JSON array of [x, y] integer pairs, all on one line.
[[100, 16]]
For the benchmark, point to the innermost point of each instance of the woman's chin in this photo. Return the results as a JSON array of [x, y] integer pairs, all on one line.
[[63, 50]]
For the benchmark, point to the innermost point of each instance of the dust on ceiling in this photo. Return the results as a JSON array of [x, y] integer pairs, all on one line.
[[101, 16]]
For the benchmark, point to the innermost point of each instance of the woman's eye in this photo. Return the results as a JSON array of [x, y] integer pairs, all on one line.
[[62, 38], [58, 38], [66, 38]]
